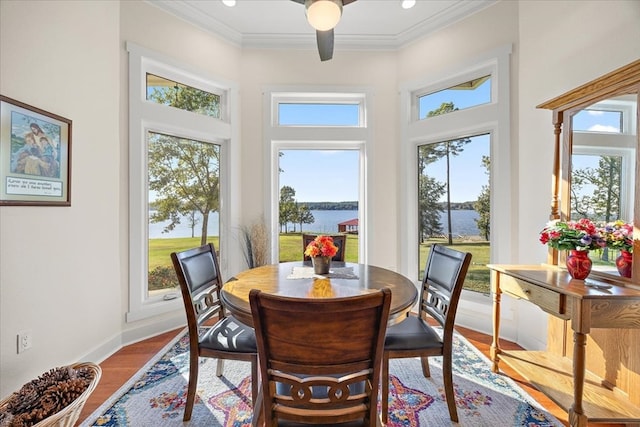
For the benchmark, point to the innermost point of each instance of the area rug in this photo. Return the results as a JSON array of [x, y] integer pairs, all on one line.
[[156, 395]]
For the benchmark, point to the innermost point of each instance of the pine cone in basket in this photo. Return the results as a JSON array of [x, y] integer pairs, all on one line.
[[44, 396]]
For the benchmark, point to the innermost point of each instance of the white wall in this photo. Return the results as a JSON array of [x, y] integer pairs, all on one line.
[[60, 266], [64, 271]]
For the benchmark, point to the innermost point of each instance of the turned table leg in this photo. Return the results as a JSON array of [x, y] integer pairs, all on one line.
[[494, 350], [577, 418]]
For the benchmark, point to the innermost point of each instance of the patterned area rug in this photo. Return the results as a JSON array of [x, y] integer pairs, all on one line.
[[157, 394]]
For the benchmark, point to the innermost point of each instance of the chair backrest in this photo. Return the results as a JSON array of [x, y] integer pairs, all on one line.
[[340, 240], [444, 276], [320, 360], [200, 282]]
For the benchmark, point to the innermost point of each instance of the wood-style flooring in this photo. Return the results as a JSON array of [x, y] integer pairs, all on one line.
[[122, 365]]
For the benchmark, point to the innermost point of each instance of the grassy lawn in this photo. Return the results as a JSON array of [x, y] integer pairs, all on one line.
[[160, 249], [291, 250], [478, 275]]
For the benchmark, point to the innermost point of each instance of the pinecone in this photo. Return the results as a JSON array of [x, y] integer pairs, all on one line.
[[44, 396]]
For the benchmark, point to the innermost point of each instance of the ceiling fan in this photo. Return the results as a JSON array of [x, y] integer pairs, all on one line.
[[323, 15]]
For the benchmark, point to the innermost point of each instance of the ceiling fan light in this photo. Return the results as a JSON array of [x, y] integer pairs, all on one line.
[[408, 4], [323, 15], [229, 3]]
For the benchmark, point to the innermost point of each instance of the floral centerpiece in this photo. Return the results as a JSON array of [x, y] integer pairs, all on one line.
[[577, 237], [619, 235], [581, 235], [321, 250], [321, 246]]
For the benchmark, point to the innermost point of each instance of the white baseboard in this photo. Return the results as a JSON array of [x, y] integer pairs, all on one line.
[[133, 335]]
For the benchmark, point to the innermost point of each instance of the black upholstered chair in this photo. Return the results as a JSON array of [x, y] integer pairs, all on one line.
[[320, 360], [225, 337], [340, 240], [444, 276]]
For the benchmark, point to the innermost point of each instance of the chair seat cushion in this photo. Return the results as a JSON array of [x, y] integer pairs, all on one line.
[[230, 334], [411, 334]]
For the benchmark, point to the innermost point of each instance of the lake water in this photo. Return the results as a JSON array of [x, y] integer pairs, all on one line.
[[325, 222]]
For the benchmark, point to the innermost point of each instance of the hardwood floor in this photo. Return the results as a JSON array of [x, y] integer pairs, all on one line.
[[118, 368]]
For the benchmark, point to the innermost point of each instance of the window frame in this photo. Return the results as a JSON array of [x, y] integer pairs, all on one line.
[[328, 137], [145, 116], [493, 119]]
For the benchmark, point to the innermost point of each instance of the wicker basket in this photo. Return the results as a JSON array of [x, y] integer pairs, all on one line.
[[69, 415]]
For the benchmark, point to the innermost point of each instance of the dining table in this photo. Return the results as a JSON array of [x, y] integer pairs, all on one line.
[[297, 279]]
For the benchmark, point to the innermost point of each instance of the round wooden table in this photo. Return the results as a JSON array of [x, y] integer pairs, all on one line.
[[296, 279]]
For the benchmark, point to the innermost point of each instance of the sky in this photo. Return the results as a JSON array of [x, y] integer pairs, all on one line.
[[321, 175]]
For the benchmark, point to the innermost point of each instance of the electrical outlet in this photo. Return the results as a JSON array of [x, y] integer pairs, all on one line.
[[25, 341]]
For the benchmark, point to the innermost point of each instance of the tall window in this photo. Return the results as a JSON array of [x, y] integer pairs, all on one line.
[[454, 202], [456, 146], [318, 195], [317, 173], [184, 202], [179, 132]]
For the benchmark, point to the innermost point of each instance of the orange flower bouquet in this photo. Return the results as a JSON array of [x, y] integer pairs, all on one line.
[[321, 246]]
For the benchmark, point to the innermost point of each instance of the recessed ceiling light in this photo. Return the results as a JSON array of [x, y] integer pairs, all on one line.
[[229, 3], [408, 4]]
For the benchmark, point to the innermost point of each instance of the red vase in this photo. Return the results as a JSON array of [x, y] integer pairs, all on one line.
[[579, 264], [624, 262]]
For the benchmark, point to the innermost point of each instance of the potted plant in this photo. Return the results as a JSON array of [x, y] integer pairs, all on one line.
[[576, 237], [619, 235], [321, 250]]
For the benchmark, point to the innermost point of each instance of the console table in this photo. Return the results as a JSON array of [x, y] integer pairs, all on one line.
[[585, 305]]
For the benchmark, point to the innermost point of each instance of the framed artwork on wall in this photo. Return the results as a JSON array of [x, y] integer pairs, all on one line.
[[35, 156]]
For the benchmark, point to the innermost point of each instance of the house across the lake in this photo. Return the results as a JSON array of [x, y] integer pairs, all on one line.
[[350, 226]]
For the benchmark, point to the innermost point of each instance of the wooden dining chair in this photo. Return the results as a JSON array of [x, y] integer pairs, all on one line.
[[225, 337], [320, 360], [442, 282], [340, 240]]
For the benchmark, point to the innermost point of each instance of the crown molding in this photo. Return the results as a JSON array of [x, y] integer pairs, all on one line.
[[454, 13]]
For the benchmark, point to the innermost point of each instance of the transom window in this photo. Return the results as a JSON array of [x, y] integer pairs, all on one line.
[[178, 95], [314, 114], [598, 121], [463, 95]]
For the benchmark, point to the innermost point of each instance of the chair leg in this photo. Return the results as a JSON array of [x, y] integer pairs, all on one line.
[[193, 385], [425, 367], [447, 375], [255, 381], [219, 367], [384, 390]]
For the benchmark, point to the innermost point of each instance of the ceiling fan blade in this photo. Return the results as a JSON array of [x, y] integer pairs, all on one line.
[[325, 44]]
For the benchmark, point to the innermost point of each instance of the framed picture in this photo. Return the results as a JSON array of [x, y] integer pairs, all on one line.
[[35, 156]]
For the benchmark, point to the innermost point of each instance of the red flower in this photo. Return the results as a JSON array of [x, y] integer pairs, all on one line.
[[321, 246]]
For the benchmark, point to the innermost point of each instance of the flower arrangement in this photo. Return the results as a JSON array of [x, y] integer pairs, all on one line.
[[321, 246], [618, 235], [581, 235]]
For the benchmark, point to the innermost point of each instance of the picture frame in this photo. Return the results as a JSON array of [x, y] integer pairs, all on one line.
[[35, 156]]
